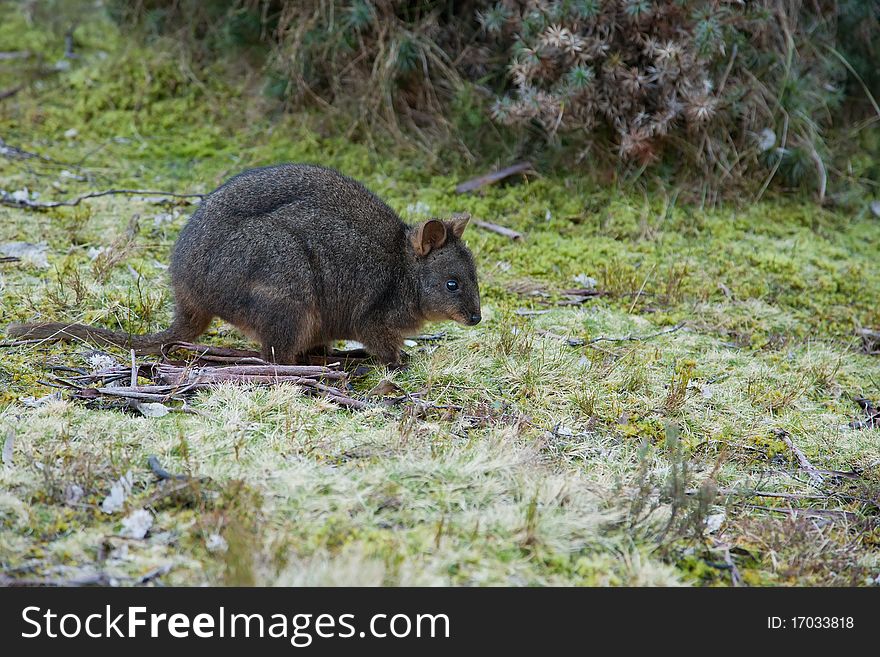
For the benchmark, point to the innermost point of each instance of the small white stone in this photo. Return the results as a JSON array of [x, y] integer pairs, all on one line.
[[119, 491], [216, 543], [137, 524]]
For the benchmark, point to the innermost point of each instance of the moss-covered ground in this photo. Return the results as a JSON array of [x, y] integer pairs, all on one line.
[[532, 461]]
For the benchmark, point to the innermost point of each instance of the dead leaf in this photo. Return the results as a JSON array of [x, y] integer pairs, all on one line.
[[386, 388]]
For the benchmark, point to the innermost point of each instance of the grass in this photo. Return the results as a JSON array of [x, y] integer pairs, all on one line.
[[609, 463]]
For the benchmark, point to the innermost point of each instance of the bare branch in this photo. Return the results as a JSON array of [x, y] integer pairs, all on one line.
[[7, 199], [802, 459], [500, 230]]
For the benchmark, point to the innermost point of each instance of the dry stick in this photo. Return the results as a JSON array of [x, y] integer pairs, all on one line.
[[7, 93], [6, 199], [96, 579], [803, 461], [816, 513], [138, 395], [156, 573], [735, 578], [500, 230], [161, 393], [266, 370], [762, 493], [637, 338], [161, 472], [493, 177], [642, 289]]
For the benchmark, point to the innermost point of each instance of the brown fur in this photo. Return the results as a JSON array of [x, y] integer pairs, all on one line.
[[297, 256]]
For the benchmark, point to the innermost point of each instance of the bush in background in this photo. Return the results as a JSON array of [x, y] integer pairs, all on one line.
[[734, 91]]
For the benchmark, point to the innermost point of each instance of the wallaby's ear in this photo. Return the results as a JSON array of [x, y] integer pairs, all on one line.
[[428, 236], [458, 223]]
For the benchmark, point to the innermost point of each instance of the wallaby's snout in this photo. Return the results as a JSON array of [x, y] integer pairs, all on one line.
[[475, 319]]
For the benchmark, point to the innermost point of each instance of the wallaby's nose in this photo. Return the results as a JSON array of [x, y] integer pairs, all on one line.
[[475, 318]]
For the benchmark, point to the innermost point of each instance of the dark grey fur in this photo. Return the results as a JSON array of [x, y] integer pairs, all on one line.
[[296, 256]]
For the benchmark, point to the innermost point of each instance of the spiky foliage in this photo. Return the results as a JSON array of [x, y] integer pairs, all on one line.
[[692, 78], [730, 90]]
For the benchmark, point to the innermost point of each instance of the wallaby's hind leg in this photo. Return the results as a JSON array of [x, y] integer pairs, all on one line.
[[284, 337], [189, 321]]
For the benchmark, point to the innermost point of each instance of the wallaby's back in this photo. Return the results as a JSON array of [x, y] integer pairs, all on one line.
[[291, 239]]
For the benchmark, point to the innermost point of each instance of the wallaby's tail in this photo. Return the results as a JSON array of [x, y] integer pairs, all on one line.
[[150, 343]]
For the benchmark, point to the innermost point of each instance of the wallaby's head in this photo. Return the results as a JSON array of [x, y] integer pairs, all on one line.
[[447, 274]]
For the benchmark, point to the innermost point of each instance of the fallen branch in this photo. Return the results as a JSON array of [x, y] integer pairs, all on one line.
[[161, 472], [98, 579], [156, 573], [494, 177], [211, 354], [872, 414], [578, 342], [638, 338], [8, 93], [730, 492], [176, 381], [500, 230], [578, 296], [571, 342], [814, 513], [175, 375], [802, 459], [6, 198]]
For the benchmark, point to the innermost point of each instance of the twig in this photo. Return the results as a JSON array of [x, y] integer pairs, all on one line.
[[815, 513], [579, 295], [178, 375], [500, 230], [6, 198], [98, 579], [8, 93], [802, 459], [161, 472], [156, 573], [571, 342], [729, 492], [494, 177], [637, 338], [430, 337], [872, 413], [735, 578]]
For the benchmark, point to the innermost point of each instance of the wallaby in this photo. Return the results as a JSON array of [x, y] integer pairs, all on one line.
[[296, 256]]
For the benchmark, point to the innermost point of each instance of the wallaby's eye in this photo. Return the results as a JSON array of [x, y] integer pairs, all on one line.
[[452, 285]]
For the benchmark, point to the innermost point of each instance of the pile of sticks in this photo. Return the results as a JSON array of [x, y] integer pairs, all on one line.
[[173, 380]]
